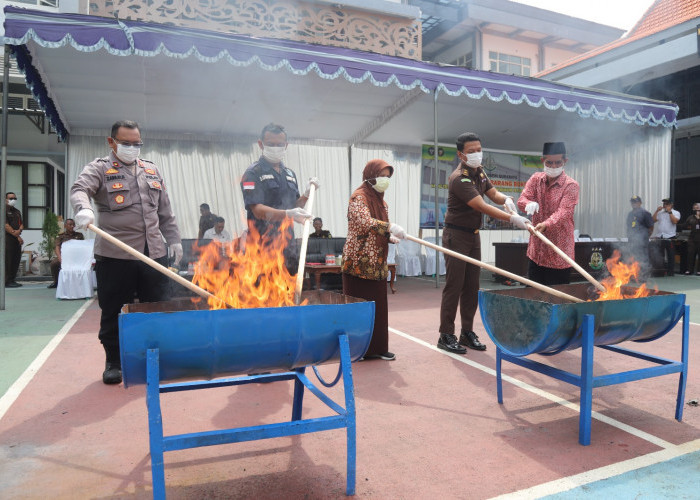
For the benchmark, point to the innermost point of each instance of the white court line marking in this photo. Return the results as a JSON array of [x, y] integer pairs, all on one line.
[[606, 472], [16, 389], [544, 394]]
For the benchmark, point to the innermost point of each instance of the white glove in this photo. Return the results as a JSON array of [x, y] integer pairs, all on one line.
[[393, 239], [519, 221], [315, 182], [397, 231], [510, 205], [532, 207], [84, 217], [176, 251], [298, 214]]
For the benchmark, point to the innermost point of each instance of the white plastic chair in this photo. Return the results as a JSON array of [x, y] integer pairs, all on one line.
[[76, 280], [429, 259], [408, 258]]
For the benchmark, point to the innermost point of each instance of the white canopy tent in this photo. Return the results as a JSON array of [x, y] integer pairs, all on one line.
[[201, 99]]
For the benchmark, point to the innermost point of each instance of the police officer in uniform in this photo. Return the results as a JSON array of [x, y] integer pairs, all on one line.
[[271, 191], [13, 240], [465, 203], [134, 207]]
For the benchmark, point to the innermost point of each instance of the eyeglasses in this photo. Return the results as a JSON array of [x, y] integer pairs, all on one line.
[[553, 163], [126, 143]]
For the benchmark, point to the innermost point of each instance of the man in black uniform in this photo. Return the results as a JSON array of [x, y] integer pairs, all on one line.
[[465, 204], [13, 240], [639, 228], [271, 191]]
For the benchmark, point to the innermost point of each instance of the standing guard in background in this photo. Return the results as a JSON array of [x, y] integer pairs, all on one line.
[[134, 207], [693, 223], [639, 227], [13, 240]]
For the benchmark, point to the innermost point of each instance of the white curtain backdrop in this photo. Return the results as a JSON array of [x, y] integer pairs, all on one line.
[[610, 174], [208, 170]]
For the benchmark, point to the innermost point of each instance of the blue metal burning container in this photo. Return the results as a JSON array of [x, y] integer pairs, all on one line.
[[526, 321], [205, 344]]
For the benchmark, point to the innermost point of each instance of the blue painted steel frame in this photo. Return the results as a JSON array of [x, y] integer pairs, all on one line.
[[587, 382], [159, 444]]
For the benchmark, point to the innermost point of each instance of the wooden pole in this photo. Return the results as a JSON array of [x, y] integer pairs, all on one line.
[[155, 265], [497, 270], [304, 243]]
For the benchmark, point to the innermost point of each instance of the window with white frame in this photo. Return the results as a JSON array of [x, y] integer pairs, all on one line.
[[508, 64]]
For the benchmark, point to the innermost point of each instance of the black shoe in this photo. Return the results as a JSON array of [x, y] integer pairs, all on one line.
[[12, 284], [112, 374], [52, 285], [387, 356], [448, 342], [470, 340]]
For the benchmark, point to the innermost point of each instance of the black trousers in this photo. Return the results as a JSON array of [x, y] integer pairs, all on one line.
[[13, 254], [461, 281], [119, 282], [669, 249], [548, 275]]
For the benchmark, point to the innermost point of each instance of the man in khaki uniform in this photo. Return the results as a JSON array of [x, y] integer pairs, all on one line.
[[467, 186], [134, 207]]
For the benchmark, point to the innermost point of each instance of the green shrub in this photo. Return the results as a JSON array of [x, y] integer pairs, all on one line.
[[49, 231]]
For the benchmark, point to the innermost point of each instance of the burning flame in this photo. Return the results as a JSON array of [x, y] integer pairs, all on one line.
[[620, 275], [247, 275]]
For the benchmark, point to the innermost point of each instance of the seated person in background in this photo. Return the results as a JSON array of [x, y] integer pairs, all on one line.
[[69, 234], [318, 231], [218, 232]]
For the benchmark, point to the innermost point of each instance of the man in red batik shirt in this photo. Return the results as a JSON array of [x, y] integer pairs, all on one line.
[[550, 197]]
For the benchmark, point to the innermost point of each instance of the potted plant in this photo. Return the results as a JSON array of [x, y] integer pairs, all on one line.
[[49, 232]]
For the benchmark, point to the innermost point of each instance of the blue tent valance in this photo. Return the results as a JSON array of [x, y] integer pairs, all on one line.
[[129, 38]]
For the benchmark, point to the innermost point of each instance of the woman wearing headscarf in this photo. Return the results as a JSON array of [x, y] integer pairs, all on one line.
[[366, 247]]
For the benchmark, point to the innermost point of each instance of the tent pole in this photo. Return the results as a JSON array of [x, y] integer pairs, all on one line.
[[3, 170], [437, 204]]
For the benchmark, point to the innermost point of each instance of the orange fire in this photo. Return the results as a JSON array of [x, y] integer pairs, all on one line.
[[256, 278], [620, 275]]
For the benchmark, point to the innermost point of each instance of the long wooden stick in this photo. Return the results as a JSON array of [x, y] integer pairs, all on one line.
[[155, 265], [304, 243], [563, 255], [497, 270]]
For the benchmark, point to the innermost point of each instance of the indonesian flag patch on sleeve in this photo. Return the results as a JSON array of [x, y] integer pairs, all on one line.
[[248, 185]]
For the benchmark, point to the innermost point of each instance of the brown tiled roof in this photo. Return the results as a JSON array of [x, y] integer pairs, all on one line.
[[661, 15]]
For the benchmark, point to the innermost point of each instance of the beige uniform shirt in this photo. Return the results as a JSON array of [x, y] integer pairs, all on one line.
[[133, 208]]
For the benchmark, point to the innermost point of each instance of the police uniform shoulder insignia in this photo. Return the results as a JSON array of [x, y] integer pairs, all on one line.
[[119, 199], [156, 184], [466, 179], [117, 185], [150, 171]]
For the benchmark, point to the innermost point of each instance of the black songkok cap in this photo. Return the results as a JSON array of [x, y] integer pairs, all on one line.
[[554, 148]]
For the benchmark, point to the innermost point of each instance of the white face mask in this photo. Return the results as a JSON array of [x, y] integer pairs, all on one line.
[[553, 172], [274, 154], [11, 202], [474, 159], [382, 184], [128, 154]]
